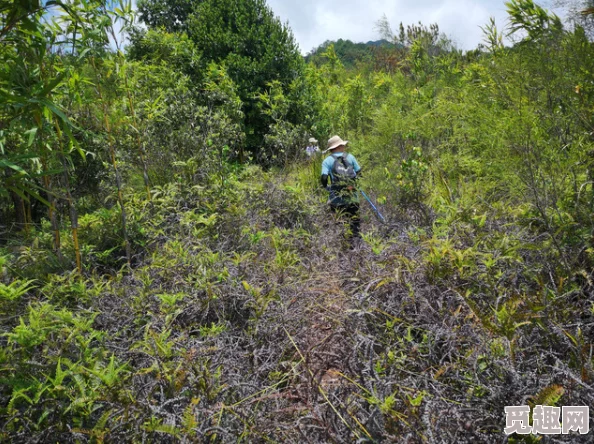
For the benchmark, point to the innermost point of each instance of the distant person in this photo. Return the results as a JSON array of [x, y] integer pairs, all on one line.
[[343, 170], [312, 148]]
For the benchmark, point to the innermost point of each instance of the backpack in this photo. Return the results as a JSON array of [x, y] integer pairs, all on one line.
[[343, 171], [342, 191]]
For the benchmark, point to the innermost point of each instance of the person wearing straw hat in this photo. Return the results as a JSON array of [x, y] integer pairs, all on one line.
[[343, 169], [312, 148]]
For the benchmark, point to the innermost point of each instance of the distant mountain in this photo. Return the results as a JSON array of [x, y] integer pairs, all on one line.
[[350, 53], [382, 42]]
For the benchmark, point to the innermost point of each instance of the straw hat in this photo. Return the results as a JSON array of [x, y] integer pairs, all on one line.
[[312, 140], [335, 142]]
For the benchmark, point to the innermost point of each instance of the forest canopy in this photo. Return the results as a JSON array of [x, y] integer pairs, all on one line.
[[258, 52]]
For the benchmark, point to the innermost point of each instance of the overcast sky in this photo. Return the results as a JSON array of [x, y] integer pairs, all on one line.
[[315, 21]]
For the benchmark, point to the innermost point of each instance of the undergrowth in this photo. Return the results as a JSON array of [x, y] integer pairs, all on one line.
[[243, 319]]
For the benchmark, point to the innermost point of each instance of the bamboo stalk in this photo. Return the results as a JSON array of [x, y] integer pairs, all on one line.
[[47, 183], [72, 208], [141, 150], [73, 214], [28, 216], [114, 163], [25, 219]]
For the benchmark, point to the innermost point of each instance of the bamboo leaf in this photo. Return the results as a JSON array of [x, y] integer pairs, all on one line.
[[54, 109], [32, 133], [53, 84], [14, 167]]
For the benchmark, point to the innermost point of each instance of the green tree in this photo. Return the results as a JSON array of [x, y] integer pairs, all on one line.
[[170, 15], [44, 81], [244, 37], [159, 47], [255, 47]]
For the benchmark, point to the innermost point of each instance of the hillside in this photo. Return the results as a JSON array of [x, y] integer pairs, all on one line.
[[350, 54], [171, 269], [245, 316]]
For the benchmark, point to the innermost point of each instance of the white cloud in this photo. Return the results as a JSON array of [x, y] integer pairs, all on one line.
[[314, 22]]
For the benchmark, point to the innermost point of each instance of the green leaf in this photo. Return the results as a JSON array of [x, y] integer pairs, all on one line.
[[32, 133], [53, 84], [7, 164], [416, 401], [54, 109]]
